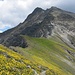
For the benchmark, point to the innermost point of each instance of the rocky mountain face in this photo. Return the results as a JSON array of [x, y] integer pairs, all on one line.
[[42, 23]]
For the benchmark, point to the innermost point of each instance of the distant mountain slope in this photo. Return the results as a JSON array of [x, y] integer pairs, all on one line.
[[42, 23]]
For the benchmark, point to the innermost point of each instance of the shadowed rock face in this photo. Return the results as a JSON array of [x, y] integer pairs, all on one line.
[[43, 29], [41, 23], [15, 41]]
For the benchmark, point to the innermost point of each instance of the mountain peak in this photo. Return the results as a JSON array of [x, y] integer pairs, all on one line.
[[54, 8], [38, 9]]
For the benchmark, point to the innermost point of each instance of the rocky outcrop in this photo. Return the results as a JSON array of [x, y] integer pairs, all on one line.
[[15, 41]]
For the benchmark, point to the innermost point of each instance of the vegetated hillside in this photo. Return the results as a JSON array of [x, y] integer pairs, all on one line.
[[52, 52], [13, 63]]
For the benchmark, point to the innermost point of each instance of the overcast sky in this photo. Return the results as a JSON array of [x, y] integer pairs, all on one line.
[[12, 12]]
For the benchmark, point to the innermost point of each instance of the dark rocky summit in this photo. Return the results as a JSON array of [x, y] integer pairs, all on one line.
[[42, 23]]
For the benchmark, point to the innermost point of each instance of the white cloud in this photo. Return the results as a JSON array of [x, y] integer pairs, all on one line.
[[12, 12]]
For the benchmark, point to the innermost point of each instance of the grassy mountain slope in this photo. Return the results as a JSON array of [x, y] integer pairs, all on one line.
[[12, 63], [52, 53]]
